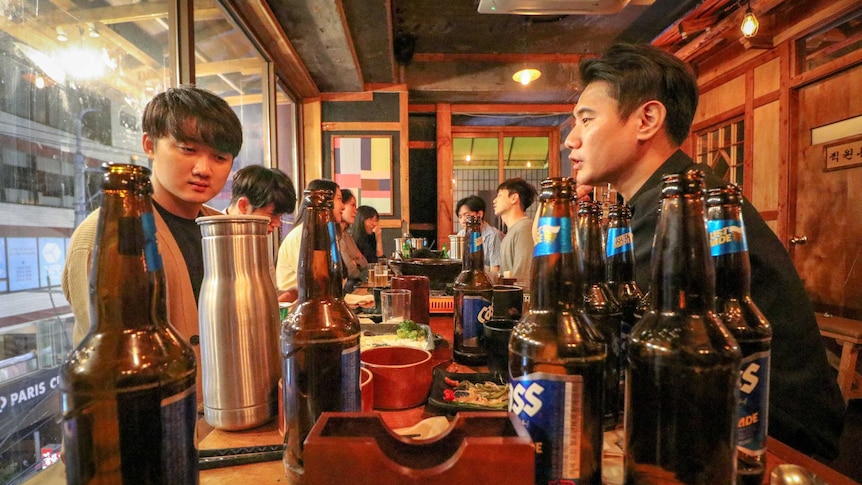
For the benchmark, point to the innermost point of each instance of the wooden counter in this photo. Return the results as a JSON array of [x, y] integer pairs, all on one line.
[[272, 472]]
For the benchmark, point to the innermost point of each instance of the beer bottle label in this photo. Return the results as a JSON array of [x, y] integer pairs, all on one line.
[[619, 241], [753, 393], [350, 396], [554, 236], [474, 313], [151, 247], [155, 442], [551, 408], [726, 237], [475, 243]]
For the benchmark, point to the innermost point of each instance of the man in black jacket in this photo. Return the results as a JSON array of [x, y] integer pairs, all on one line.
[[633, 114]]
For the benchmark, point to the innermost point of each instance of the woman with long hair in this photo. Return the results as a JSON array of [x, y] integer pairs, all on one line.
[[367, 234], [354, 261]]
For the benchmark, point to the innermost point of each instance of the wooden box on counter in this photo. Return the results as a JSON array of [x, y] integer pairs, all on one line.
[[478, 447]]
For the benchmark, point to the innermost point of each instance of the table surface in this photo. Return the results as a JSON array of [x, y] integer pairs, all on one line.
[[272, 472]]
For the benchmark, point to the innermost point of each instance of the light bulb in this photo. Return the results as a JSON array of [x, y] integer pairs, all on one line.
[[749, 24], [468, 158]]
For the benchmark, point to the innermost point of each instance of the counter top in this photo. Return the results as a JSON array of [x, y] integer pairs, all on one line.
[[272, 472]]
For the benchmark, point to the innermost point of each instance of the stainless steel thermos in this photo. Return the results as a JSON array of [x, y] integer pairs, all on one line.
[[239, 323]]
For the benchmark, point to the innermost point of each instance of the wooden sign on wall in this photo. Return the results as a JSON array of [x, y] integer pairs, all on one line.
[[847, 153]]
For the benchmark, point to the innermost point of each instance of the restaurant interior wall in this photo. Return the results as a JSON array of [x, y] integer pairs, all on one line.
[[780, 101]]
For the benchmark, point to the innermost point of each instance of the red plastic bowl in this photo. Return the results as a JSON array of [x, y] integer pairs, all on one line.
[[402, 376]]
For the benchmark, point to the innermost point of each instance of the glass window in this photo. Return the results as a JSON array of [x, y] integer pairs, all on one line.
[[478, 167], [228, 64], [722, 147], [830, 43]]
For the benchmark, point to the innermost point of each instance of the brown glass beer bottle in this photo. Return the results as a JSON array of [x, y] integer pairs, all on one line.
[[683, 364], [600, 305], [128, 389], [474, 294], [741, 316], [319, 338], [556, 356]]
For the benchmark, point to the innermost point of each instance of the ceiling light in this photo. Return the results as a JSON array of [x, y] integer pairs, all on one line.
[[91, 28], [526, 76], [749, 23], [61, 34], [468, 158]]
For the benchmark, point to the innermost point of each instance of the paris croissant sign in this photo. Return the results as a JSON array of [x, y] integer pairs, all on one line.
[[29, 399]]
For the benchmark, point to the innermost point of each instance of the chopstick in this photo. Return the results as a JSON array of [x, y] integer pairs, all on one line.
[[222, 457]]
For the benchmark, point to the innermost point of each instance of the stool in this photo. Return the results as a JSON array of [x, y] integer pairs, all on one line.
[[848, 334]]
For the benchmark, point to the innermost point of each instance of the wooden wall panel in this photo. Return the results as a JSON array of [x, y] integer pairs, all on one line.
[[767, 77], [721, 99], [767, 158], [829, 203]]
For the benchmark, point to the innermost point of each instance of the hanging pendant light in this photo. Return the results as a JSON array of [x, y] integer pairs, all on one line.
[[749, 24]]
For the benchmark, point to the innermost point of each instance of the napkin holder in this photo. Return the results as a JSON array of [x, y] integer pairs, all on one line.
[[478, 447]]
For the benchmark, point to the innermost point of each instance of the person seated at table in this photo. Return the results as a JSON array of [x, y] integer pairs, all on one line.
[[514, 197], [287, 259], [632, 117], [191, 137], [473, 205], [354, 261], [267, 192], [366, 232]]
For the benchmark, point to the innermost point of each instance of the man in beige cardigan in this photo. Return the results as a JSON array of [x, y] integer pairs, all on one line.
[[191, 137]]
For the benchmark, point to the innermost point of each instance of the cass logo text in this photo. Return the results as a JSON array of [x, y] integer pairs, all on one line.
[[527, 400]]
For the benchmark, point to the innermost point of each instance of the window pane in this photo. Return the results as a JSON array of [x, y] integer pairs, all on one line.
[[228, 64]]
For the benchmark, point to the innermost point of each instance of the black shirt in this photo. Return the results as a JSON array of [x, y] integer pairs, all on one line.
[[187, 234], [806, 409]]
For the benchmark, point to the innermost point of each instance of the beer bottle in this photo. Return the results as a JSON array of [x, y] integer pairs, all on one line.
[[742, 317], [128, 389], [319, 338], [556, 356], [619, 264], [683, 364], [474, 294], [600, 305]]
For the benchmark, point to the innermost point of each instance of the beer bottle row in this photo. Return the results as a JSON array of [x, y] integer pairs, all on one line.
[[689, 373]]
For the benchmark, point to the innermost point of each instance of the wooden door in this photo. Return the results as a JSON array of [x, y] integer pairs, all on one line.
[[829, 200]]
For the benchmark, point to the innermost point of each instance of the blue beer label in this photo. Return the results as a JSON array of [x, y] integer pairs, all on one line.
[[151, 248], [753, 407], [475, 243], [333, 248], [619, 241], [554, 236], [551, 408], [351, 399], [474, 313], [726, 237]]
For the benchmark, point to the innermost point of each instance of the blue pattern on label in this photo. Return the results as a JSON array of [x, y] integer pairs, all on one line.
[[474, 313], [351, 399], [550, 406], [619, 241], [152, 258], [554, 236], [726, 237], [475, 242], [179, 464], [753, 406]]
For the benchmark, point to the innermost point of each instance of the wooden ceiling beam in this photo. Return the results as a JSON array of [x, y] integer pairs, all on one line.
[[500, 58]]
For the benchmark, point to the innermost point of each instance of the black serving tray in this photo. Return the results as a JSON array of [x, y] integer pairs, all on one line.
[[438, 385]]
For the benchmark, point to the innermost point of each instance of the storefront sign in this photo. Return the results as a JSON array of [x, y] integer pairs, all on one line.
[[28, 399]]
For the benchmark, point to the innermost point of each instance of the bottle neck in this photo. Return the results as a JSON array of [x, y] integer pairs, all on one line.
[[555, 282], [619, 252], [683, 273], [729, 250], [590, 249], [127, 267], [474, 254], [319, 274]]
